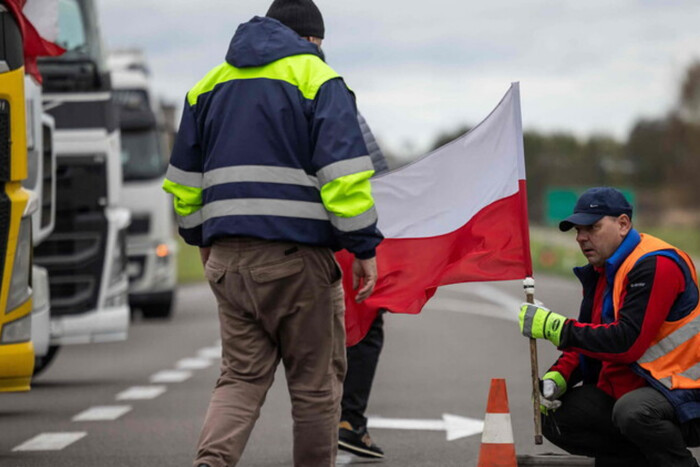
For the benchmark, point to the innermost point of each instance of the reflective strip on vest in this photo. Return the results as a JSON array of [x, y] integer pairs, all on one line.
[[349, 224], [254, 207], [259, 174], [343, 168], [666, 345], [182, 177]]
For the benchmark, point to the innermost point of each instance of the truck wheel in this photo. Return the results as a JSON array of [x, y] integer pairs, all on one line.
[[41, 363], [161, 309]]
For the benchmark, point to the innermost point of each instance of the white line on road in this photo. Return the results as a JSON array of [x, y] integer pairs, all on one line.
[[171, 376], [193, 364], [102, 412], [50, 441], [210, 352], [141, 392]]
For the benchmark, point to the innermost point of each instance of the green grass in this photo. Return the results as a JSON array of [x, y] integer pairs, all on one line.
[[189, 265]]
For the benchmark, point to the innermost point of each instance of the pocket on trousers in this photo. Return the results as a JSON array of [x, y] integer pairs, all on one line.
[[273, 272], [213, 272]]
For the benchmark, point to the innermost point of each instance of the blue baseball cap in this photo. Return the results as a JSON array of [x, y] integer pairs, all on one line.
[[595, 204]]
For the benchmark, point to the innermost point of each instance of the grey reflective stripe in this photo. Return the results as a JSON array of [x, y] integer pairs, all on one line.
[[191, 221], [182, 177], [342, 168], [529, 319], [692, 373], [670, 342], [265, 207], [260, 174], [349, 224], [666, 382]]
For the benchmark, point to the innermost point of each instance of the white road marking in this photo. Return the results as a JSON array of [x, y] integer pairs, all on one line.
[[193, 363], [499, 304], [455, 426], [50, 441], [102, 412], [343, 459], [210, 352], [141, 392], [171, 376]]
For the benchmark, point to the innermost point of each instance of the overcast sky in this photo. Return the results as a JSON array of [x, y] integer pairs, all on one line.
[[418, 68]]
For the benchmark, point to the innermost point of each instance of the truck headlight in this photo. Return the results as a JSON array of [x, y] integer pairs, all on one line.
[[20, 290], [19, 330], [119, 259]]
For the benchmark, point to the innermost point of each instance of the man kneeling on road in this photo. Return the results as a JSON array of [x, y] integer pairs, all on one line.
[[635, 346]]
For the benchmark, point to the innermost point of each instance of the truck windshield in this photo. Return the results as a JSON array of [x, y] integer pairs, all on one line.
[[142, 158], [78, 31], [71, 26]]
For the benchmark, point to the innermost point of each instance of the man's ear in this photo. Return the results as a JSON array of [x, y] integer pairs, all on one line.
[[625, 224]]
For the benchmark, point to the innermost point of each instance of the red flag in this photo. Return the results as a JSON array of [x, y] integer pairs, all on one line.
[[458, 214], [34, 45]]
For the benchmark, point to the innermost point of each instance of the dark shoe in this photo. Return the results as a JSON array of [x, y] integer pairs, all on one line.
[[357, 441]]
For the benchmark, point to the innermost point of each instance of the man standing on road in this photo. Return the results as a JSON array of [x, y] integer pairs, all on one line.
[[635, 346], [270, 174]]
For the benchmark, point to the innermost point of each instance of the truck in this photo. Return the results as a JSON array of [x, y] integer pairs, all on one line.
[[16, 349], [150, 243], [41, 183], [85, 255]]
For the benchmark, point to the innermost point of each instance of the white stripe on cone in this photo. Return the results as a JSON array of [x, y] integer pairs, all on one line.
[[497, 429]]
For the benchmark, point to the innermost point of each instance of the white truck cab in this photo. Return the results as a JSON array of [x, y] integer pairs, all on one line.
[[85, 255], [151, 245]]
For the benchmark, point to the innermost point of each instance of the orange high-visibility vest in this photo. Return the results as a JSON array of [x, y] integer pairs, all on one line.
[[673, 358]]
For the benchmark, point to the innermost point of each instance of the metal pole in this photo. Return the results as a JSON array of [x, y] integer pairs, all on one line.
[[529, 286]]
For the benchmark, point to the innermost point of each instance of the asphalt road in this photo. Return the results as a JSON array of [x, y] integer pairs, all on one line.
[[151, 392]]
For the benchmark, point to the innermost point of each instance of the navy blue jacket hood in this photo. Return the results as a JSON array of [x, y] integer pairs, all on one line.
[[264, 40]]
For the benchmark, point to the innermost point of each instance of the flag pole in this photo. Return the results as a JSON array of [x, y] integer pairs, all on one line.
[[529, 287]]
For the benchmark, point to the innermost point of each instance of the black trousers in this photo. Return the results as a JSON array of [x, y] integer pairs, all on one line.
[[639, 429], [362, 365]]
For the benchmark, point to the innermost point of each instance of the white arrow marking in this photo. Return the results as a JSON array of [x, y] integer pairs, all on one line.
[[455, 426]]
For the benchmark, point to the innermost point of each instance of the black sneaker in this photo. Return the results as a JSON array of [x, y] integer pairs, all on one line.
[[357, 441]]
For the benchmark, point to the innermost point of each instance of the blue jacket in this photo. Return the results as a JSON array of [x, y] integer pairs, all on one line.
[[269, 146]]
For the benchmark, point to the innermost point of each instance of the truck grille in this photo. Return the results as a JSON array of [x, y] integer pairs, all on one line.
[[74, 254]]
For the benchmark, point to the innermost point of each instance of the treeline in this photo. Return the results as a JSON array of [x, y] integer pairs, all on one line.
[[660, 161]]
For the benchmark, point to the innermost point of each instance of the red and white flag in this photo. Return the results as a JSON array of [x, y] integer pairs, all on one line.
[[459, 214], [35, 45]]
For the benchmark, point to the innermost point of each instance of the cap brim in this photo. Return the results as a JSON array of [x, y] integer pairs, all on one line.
[[580, 218]]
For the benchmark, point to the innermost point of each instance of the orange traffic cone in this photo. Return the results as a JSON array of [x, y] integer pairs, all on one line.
[[497, 447]]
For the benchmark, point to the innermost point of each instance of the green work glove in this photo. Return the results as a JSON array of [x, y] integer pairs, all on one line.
[[552, 386], [540, 323]]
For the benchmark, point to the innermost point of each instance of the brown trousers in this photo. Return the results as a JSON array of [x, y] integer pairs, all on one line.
[[276, 301]]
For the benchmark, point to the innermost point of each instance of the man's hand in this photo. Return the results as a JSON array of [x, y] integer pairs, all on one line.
[[552, 386], [364, 272], [204, 253], [540, 323]]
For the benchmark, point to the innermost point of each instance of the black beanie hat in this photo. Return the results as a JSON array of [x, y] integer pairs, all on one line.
[[302, 16]]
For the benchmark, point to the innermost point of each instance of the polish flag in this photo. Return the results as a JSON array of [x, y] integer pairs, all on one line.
[[458, 214], [35, 44]]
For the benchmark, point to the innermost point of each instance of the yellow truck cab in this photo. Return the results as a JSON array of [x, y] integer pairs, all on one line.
[[16, 351]]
